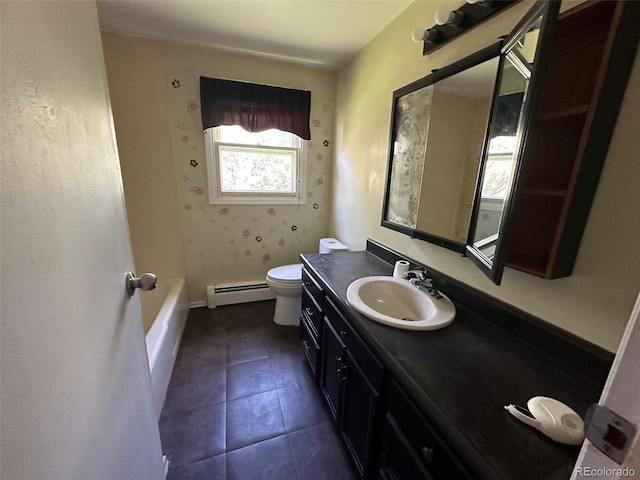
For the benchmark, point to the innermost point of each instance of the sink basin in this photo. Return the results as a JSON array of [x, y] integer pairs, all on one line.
[[395, 302]]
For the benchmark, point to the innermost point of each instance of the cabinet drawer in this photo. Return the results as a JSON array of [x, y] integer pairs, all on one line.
[[427, 444], [309, 345], [398, 459], [370, 365], [313, 288], [312, 313]]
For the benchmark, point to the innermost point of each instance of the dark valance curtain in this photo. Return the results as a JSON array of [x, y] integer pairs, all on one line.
[[254, 107]]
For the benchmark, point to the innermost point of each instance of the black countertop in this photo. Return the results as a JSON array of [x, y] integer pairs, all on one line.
[[462, 376]]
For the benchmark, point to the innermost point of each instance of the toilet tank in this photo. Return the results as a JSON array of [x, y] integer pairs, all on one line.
[[328, 245]]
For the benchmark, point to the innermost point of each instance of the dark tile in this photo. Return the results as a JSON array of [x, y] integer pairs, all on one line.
[[200, 314], [213, 468], [193, 387], [319, 454], [211, 353], [249, 378], [248, 317], [203, 331], [193, 435], [245, 348], [267, 460], [283, 339], [290, 368], [302, 406], [238, 349], [252, 419]]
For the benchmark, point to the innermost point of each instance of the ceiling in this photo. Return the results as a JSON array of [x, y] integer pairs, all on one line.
[[324, 33]]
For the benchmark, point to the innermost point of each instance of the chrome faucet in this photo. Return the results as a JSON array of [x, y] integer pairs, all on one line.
[[420, 279]]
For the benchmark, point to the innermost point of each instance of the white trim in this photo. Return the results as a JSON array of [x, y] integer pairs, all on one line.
[[218, 295], [620, 395], [217, 197]]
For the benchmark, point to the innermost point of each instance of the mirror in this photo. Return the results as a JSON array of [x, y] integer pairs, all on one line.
[[410, 124], [510, 116], [437, 132]]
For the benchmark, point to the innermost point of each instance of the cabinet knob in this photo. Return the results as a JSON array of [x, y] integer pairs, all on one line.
[[427, 453]]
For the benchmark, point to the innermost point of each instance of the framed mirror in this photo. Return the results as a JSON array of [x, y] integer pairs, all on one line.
[[438, 126], [506, 139]]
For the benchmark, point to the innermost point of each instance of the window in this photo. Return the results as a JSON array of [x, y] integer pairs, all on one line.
[[245, 168], [498, 169]]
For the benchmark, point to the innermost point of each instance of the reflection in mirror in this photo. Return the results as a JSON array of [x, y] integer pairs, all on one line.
[[506, 140], [437, 135], [460, 113], [411, 124], [498, 166]]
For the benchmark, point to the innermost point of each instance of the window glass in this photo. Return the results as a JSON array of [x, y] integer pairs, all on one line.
[[255, 168]]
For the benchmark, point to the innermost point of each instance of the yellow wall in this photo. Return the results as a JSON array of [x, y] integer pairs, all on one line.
[[596, 301], [154, 90]]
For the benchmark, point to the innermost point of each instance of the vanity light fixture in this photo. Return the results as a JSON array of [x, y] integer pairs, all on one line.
[[451, 23], [446, 16], [428, 35]]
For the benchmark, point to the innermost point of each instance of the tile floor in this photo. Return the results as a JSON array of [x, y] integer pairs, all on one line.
[[242, 403]]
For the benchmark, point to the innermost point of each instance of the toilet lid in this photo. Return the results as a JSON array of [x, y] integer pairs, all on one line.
[[291, 273]]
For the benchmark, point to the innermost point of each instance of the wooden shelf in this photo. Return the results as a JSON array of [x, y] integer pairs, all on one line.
[[532, 265], [591, 52], [564, 113], [545, 192]]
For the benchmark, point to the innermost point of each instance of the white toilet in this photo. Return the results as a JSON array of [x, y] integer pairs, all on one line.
[[286, 282]]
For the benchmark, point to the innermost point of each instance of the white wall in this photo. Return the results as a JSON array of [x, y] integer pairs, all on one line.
[[75, 389], [595, 302]]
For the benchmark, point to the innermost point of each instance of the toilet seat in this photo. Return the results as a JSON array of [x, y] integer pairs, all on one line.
[[286, 274]]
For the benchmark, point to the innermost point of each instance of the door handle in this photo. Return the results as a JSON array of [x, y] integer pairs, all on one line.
[[146, 281]]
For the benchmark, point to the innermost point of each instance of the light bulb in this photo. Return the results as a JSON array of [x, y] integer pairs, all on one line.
[[445, 16]]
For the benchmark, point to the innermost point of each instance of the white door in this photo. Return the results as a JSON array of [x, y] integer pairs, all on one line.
[[621, 395], [75, 388]]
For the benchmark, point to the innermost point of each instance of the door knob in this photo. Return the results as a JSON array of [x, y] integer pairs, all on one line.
[[146, 281]]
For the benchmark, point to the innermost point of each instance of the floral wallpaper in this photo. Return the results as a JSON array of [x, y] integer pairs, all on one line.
[[411, 125], [240, 243]]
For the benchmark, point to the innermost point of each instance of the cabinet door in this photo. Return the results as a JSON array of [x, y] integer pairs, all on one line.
[[398, 460], [333, 366], [359, 407], [309, 345]]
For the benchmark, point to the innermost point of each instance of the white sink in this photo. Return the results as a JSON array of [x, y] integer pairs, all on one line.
[[395, 302]]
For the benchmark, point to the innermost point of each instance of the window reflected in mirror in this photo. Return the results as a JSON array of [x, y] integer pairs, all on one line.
[[498, 168], [507, 137], [439, 124]]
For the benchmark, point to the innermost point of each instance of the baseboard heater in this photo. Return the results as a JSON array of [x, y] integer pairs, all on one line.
[[218, 295]]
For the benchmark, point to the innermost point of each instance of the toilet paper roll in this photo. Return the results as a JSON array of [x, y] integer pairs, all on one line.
[[400, 269]]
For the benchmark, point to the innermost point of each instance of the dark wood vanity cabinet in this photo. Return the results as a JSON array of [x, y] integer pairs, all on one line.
[[411, 448], [429, 405], [398, 458], [351, 378], [591, 51], [332, 374], [311, 321], [383, 430]]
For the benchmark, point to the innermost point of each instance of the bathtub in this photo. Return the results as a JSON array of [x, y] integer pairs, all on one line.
[[164, 312]]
